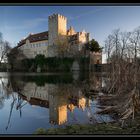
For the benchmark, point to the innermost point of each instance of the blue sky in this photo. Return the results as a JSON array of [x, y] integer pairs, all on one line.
[[17, 22]]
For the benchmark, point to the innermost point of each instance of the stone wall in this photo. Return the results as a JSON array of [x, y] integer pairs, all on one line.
[[57, 26], [95, 58], [30, 50]]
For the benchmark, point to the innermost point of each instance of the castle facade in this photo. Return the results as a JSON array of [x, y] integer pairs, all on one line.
[[45, 42]]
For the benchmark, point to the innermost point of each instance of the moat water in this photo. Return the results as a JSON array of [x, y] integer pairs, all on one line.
[[29, 101]]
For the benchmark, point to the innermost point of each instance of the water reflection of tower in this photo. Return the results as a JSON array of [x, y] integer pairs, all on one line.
[[57, 109], [56, 97], [78, 100], [83, 103], [95, 81]]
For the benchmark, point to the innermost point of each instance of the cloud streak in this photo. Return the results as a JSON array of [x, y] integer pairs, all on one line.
[[86, 13]]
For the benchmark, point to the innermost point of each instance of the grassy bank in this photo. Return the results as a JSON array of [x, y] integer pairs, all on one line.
[[109, 128]]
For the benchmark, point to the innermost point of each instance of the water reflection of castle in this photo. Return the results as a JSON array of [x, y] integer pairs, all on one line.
[[59, 98]]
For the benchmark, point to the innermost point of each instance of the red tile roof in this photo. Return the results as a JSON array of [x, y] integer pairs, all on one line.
[[36, 101], [34, 38]]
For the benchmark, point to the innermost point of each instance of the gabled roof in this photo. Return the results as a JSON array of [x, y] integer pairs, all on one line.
[[39, 102], [36, 101], [35, 37]]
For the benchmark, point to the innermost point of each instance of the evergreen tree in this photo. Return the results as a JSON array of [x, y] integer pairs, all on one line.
[[93, 46]]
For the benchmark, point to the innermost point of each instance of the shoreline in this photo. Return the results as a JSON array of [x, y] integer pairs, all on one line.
[[90, 129]]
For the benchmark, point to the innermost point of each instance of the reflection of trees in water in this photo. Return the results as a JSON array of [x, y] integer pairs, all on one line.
[[40, 80], [1, 102], [7, 88], [64, 93], [11, 109], [16, 83], [5, 91], [95, 81], [19, 103]]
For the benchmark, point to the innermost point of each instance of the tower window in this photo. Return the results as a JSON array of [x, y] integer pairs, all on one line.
[[98, 61]]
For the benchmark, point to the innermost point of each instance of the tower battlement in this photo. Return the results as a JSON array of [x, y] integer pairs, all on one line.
[[56, 16], [57, 26], [49, 40]]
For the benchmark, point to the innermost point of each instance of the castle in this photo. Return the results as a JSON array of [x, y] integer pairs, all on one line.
[[45, 42]]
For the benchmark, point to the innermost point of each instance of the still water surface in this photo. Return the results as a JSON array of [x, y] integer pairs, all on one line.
[[29, 101]]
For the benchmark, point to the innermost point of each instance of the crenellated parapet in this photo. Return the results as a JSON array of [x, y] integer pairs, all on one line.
[[57, 24], [56, 16], [46, 42]]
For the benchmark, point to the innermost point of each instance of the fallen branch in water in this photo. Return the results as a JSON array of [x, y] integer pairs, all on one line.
[[107, 110]]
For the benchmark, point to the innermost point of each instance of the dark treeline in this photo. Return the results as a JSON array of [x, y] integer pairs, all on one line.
[[50, 64]]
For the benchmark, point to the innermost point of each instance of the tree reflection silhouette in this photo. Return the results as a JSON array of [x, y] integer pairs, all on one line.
[[58, 93], [12, 105]]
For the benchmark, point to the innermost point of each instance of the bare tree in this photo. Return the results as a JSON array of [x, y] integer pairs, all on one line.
[[116, 41], [108, 47], [124, 76], [124, 42], [63, 47], [4, 48], [1, 44], [135, 48], [12, 58]]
